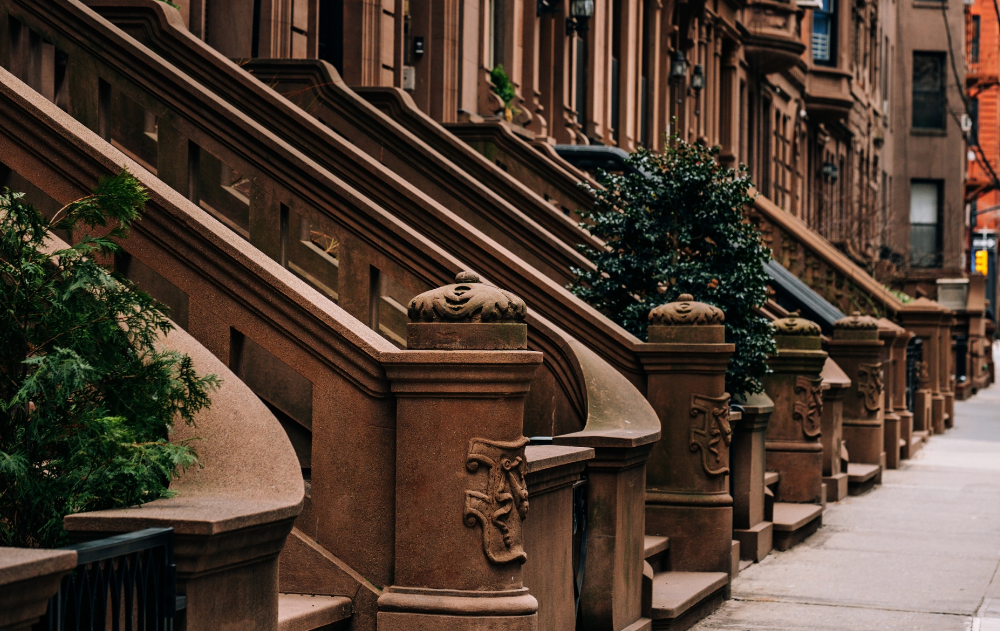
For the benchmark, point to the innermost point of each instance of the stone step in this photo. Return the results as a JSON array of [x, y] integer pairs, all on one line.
[[305, 612], [794, 522], [771, 478], [681, 599], [862, 478], [655, 551]]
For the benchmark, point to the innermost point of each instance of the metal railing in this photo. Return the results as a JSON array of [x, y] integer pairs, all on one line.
[[121, 583]]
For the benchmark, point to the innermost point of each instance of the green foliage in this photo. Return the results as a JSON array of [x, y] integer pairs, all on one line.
[[86, 399], [502, 86], [676, 226]]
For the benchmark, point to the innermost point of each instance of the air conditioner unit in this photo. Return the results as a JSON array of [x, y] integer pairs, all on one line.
[[966, 123], [810, 4], [409, 78]]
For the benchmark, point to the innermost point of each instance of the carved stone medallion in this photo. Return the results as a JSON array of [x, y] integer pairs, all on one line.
[[501, 504], [923, 373], [713, 433], [870, 385], [686, 311], [808, 409]]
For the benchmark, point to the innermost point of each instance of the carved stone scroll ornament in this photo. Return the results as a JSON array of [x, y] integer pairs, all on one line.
[[713, 430], [923, 373], [808, 409], [501, 504], [796, 325], [468, 300], [870, 385]]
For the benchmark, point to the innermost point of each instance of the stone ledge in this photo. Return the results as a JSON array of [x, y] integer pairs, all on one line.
[[302, 612]]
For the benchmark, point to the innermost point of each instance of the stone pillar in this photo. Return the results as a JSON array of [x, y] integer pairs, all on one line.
[[746, 478], [947, 374], [28, 579], [835, 386], [858, 351], [687, 493], [923, 317], [793, 442], [461, 495], [893, 373]]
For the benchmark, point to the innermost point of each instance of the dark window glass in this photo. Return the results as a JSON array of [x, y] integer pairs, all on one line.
[[974, 44], [928, 90], [331, 33], [823, 36], [974, 116]]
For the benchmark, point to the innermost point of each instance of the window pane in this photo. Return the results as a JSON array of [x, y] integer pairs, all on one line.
[[924, 202], [924, 246], [928, 90]]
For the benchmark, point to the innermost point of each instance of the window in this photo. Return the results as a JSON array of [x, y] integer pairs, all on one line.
[[823, 42], [928, 90], [331, 33], [925, 232], [974, 44]]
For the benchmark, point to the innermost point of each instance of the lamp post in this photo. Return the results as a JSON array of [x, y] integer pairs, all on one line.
[[580, 12]]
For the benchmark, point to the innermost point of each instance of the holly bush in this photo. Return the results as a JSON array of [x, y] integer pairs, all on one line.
[[87, 396], [674, 224]]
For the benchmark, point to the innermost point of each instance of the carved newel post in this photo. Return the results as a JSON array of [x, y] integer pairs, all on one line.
[[461, 495], [687, 491], [793, 434], [858, 351]]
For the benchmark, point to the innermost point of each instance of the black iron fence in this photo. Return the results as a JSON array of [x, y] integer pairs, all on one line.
[[914, 366], [122, 583]]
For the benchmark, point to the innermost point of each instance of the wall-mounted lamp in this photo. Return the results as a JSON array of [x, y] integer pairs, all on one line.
[[830, 172], [698, 78], [580, 12], [678, 73], [544, 7]]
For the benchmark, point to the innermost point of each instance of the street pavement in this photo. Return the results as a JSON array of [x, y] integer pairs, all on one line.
[[920, 552]]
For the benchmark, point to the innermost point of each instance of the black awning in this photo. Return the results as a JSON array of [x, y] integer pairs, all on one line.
[[794, 295]]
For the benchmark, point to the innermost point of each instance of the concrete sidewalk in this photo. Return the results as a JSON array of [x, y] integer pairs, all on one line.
[[920, 552]]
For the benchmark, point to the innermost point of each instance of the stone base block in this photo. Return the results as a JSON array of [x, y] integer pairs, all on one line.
[[735, 563], [937, 415], [836, 487], [801, 474], [398, 621], [891, 443], [700, 536], [757, 542], [865, 442]]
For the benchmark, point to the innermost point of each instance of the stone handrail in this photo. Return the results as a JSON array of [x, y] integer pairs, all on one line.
[[374, 236], [408, 161], [820, 265], [478, 190], [549, 174], [279, 312]]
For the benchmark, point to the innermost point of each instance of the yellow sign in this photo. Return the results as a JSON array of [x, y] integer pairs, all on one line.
[[983, 262]]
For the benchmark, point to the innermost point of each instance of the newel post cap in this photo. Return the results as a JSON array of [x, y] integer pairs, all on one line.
[[467, 315], [856, 327], [687, 321], [796, 332]]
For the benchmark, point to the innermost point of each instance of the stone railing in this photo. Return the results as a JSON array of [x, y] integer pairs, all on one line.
[[819, 264]]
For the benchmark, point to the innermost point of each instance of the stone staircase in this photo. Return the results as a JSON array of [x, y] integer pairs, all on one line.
[[305, 612]]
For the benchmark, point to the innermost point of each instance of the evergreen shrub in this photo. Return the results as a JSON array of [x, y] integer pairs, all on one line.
[[87, 398], [673, 224]]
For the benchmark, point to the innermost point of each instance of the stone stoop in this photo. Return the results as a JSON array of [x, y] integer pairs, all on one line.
[[793, 523], [677, 600], [304, 612], [917, 442], [862, 478]]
